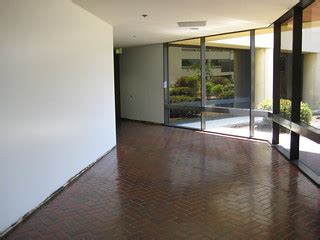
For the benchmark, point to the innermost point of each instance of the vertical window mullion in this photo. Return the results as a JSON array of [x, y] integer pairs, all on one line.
[[296, 79], [203, 80], [166, 83], [276, 80], [252, 80]]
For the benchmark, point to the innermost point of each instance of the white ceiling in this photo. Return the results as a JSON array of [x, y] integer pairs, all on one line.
[[161, 23]]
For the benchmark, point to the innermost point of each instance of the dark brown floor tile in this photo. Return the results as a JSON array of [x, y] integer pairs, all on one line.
[[167, 183]]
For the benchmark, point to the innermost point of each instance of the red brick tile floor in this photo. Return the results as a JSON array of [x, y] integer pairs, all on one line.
[[167, 183]]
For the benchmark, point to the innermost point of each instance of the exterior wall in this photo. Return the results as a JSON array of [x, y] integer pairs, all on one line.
[[141, 83], [263, 74], [242, 70], [176, 54], [311, 79], [56, 99]]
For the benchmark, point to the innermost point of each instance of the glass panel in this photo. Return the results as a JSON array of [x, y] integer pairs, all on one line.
[[310, 154], [227, 123], [263, 83], [286, 68], [184, 73], [263, 128], [310, 108], [228, 72], [185, 82], [285, 138], [185, 118]]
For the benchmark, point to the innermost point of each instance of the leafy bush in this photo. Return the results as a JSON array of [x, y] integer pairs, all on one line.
[[305, 113], [182, 98], [221, 80], [188, 81], [285, 109], [209, 89], [265, 105], [217, 90], [192, 83], [220, 86], [178, 91], [228, 91]]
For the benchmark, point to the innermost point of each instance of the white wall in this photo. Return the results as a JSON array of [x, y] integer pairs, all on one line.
[[141, 83], [56, 99]]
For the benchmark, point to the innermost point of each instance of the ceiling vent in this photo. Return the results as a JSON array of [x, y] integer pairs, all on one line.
[[192, 24]]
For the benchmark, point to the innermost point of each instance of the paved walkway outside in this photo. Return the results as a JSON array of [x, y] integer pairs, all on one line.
[[167, 183]]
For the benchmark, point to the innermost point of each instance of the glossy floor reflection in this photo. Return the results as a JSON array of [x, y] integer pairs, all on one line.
[[168, 183]]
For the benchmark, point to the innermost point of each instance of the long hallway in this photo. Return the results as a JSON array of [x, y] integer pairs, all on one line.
[[167, 183]]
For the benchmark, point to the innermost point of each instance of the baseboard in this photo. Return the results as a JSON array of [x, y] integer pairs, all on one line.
[[54, 194]]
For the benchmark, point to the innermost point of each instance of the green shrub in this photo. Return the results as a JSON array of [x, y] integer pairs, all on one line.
[[181, 98], [217, 90], [220, 80], [209, 89], [178, 91], [265, 105], [190, 82], [306, 113], [285, 109], [228, 91]]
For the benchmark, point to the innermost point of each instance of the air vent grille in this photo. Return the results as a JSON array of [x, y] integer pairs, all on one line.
[[192, 24]]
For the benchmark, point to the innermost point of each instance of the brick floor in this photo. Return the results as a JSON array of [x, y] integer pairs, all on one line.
[[167, 183]]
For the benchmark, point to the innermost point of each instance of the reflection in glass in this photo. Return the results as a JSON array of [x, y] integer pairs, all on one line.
[[227, 123], [187, 118], [285, 138], [310, 154]]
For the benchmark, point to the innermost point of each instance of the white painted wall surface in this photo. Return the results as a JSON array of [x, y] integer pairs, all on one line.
[[56, 99], [141, 83]]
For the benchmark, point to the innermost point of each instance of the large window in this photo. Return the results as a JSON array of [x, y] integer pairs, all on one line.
[[228, 84], [261, 83], [184, 83], [310, 106], [311, 65], [297, 80], [285, 100]]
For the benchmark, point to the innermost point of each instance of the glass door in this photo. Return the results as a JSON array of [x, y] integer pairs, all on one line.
[[184, 84]]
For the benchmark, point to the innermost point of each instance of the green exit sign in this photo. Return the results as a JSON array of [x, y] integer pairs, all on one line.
[[118, 50]]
